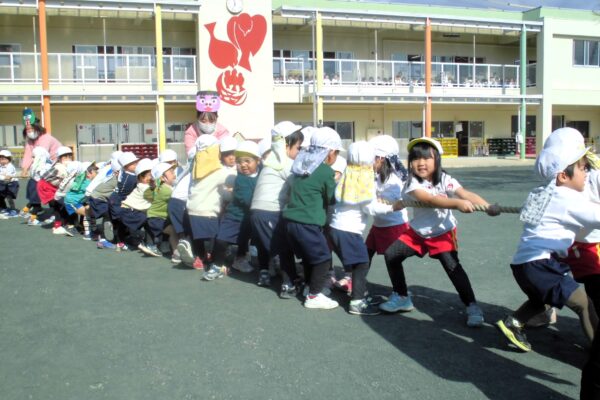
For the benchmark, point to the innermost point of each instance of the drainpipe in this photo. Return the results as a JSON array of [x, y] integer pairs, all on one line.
[[320, 69], [523, 68]]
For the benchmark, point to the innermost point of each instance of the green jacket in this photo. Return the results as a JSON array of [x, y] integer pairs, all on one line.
[[310, 196], [243, 190], [159, 197]]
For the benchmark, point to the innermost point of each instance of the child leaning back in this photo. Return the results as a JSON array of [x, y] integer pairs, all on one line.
[[234, 227], [553, 215], [432, 230], [312, 192]]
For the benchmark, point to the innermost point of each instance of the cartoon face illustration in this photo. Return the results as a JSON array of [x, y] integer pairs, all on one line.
[[208, 102]]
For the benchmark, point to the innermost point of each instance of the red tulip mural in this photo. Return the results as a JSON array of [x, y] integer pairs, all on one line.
[[246, 35]]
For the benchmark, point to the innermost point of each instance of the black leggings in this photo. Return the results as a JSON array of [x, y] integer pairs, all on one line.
[[359, 280], [319, 274], [592, 288], [398, 252], [590, 377]]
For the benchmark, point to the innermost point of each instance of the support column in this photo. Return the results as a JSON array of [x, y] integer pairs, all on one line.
[[428, 121], [160, 104], [319, 69], [44, 65], [523, 85]]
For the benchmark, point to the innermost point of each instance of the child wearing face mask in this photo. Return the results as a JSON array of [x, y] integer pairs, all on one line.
[[207, 107]]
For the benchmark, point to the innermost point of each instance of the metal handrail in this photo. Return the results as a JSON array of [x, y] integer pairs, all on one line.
[[398, 73], [85, 68]]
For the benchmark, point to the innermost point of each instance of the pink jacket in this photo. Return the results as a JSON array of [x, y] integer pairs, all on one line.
[[191, 134], [47, 141]]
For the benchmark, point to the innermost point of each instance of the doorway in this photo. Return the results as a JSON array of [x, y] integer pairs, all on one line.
[[462, 135]]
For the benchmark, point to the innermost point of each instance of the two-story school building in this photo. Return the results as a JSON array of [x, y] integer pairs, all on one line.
[[472, 77]]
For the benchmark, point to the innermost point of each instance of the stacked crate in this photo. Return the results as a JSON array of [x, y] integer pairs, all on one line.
[[141, 150], [502, 146]]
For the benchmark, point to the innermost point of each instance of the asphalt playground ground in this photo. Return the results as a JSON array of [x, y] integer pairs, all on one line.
[[81, 323]]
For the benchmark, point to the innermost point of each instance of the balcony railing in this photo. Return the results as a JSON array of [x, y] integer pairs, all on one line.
[[96, 68], [400, 73]]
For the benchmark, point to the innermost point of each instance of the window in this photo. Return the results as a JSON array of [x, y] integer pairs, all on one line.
[[407, 129], [586, 52], [476, 129], [581, 126], [530, 125], [344, 129]]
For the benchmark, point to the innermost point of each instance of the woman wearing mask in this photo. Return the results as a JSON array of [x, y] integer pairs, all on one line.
[[35, 136], [207, 106]]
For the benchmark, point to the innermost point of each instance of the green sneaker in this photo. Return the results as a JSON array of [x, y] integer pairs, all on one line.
[[514, 333]]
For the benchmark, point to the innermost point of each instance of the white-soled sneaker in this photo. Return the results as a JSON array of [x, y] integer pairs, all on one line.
[[320, 301], [397, 303], [242, 265], [474, 316], [185, 252]]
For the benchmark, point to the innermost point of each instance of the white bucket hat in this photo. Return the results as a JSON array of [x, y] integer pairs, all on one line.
[[205, 141], [144, 165], [308, 132], [327, 138], [563, 147], [264, 145], [160, 169], [361, 153], [247, 147], [384, 146], [127, 158], [228, 143], [62, 150], [168, 155], [284, 129], [6, 153]]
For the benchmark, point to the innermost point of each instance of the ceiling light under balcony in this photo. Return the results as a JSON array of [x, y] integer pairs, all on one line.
[[451, 35]]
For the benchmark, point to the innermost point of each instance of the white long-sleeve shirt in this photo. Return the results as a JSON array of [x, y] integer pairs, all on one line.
[[353, 218], [567, 213], [390, 191]]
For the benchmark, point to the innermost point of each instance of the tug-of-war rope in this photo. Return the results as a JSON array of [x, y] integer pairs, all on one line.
[[476, 207]]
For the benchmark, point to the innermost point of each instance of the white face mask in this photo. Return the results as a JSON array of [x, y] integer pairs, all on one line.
[[208, 128], [32, 135]]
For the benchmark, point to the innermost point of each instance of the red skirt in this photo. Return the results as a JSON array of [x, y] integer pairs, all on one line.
[[379, 239], [434, 245], [46, 191], [584, 259]]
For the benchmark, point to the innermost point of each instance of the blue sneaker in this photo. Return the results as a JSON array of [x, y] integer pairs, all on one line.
[[34, 222], [12, 213], [105, 244], [397, 303], [212, 273]]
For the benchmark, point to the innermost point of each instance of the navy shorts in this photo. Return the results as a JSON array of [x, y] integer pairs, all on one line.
[[204, 227], [9, 189], [32, 195], [545, 281], [114, 206], [156, 226], [235, 232], [178, 215], [268, 232], [99, 207], [308, 242], [133, 219], [349, 247]]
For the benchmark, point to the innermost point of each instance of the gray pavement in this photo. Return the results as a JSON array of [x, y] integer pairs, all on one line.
[[82, 323]]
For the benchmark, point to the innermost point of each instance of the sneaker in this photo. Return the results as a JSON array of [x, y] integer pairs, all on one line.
[[397, 303], [514, 333], [212, 273], [107, 228], [175, 257], [24, 213], [288, 291], [149, 249], [242, 265], [184, 248], [264, 279], [88, 236], [105, 244], [122, 246], [306, 291], [474, 316], [198, 264], [320, 301], [34, 222], [344, 284], [61, 230], [543, 319], [71, 231], [363, 307], [11, 214], [49, 221], [3, 216]]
